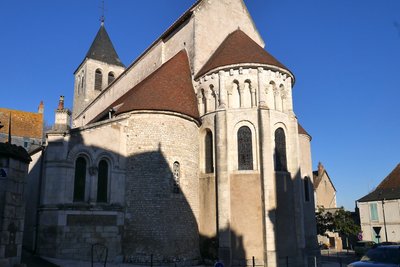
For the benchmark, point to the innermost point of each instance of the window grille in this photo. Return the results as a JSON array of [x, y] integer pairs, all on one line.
[[176, 171], [98, 80]]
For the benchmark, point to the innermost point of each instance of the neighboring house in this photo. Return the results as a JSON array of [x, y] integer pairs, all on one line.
[[325, 192], [26, 128], [325, 197], [193, 151], [380, 208]]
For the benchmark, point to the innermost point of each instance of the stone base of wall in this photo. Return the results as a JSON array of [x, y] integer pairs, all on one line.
[[80, 235]]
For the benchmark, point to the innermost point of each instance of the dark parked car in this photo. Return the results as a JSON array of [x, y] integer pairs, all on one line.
[[362, 247], [380, 256]]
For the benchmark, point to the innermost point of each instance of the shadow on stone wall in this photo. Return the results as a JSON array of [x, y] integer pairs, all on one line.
[[289, 223], [158, 221]]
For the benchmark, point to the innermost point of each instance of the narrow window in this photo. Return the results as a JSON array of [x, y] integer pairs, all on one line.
[[373, 207], [98, 80], [80, 179], [177, 175], [209, 159], [280, 150], [102, 181], [306, 189], [245, 148], [111, 77]]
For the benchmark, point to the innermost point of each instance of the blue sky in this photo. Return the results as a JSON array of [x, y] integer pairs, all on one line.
[[345, 55]]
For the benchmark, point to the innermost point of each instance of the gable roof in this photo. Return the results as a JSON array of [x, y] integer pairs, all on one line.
[[102, 49], [319, 174], [169, 88], [238, 48], [389, 188], [23, 124]]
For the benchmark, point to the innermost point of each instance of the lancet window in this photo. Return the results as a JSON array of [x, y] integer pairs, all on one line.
[[306, 182], [98, 80], [80, 179], [280, 150], [111, 77], [102, 181], [176, 171], [245, 148], [208, 153]]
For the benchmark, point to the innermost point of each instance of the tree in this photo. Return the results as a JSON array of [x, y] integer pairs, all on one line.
[[339, 221]]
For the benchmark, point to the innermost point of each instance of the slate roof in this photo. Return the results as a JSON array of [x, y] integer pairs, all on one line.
[[103, 50], [169, 88], [23, 124], [239, 48], [388, 189]]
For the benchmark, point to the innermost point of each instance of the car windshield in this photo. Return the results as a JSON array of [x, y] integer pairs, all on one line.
[[383, 254]]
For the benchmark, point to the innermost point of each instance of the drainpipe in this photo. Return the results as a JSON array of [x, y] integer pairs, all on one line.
[[384, 219]]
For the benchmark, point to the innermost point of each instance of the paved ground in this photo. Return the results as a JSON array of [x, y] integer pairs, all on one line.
[[34, 261], [329, 258]]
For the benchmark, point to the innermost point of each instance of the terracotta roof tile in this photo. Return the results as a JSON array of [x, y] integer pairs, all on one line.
[[301, 130], [169, 88], [389, 188], [23, 124], [239, 48]]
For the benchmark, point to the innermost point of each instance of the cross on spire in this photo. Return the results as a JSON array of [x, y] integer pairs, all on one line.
[[102, 18]]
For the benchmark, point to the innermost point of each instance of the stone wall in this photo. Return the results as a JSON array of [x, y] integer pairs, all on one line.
[[12, 208], [161, 188]]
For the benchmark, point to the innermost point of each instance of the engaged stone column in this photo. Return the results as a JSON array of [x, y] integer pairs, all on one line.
[[222, 90], [223, 190]]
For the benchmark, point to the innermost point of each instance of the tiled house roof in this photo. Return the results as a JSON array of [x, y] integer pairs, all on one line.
[[389, 188], [169, 88], [239, 48], [23, 124]]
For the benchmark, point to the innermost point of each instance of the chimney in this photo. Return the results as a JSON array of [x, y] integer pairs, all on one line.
[[320, 168], [63, 117], [61, 103], [41, 107]]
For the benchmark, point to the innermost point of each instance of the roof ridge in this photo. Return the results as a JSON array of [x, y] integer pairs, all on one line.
[[239, 48], [156, 92]]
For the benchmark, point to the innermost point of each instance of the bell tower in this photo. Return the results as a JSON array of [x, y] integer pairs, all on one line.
[[100, 67]]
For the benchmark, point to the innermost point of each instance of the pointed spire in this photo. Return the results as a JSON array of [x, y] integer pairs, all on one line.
[[102, 48], [102, 18]]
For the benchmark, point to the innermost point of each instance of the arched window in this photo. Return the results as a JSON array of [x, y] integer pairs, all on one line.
[[176, 171], [80, 179], [98, 80], [280, 150], [306, 189], [102, 181], [111, 77], [245, 148], [208, 153]]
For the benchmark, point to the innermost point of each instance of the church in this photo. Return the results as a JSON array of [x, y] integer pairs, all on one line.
[[191, 154]]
